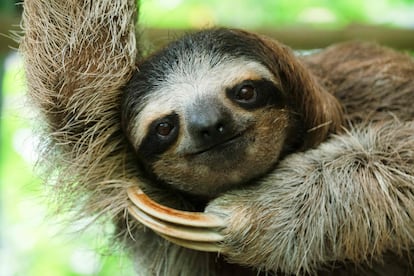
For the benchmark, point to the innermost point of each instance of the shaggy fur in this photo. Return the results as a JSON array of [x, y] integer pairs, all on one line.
[[294, 112], [346, 206], [77, 56]]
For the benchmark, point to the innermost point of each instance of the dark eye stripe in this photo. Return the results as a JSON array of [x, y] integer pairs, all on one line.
[[154, 142], [247, 93], [266, 93]]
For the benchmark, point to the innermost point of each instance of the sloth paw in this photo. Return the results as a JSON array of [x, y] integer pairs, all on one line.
[[194, 230]]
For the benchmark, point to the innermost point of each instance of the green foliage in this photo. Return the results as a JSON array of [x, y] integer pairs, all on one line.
[[7, 6], [271, 13]]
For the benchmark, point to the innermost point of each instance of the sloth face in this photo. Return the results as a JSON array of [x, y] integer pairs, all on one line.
[[203, 117]]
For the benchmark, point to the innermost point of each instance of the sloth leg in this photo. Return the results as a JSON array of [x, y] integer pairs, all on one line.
[[349, 200]]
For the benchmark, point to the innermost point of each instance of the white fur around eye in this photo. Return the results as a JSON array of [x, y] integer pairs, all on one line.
[[191, 81]]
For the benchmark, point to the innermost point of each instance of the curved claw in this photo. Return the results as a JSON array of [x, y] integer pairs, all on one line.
[[195, 219], [194, 230], [200, 246], [175, 230]]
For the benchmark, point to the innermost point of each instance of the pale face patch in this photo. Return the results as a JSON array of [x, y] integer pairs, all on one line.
[[192, 82], [231, 117], [257, 135], [255, 153]]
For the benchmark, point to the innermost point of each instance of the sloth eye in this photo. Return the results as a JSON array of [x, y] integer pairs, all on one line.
[[162, 133], [164, 128], [246, 93], [253, 94]]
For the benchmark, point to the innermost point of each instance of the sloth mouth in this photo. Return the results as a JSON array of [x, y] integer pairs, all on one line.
[[222, 144]]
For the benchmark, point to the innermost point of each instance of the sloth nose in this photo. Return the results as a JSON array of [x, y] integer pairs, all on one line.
[[209, 126], [212, 131]]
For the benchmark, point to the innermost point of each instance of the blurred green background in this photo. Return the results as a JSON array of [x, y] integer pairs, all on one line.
[[32, 242]]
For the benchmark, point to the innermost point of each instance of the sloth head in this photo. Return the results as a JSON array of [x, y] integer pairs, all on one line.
[[219, 108]]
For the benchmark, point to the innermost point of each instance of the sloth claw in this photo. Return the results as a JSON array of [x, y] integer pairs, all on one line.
[[200, 246], [193, 230]]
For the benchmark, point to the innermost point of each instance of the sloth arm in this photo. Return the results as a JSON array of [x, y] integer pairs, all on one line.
[[349, 200], [77, 54]]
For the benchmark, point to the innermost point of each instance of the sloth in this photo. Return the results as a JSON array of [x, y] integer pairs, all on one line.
[[202, 131], [309, 160]]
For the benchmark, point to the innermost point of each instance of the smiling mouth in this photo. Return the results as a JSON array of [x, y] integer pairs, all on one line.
[[223, 144]]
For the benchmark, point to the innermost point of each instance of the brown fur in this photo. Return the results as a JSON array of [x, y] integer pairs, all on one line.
[[267, 128], [346, 206], [77, 56], [322, 113], [384, 77], [299, 113]]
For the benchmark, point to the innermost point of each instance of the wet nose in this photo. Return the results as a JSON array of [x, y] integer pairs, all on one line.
[[209, 126]]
